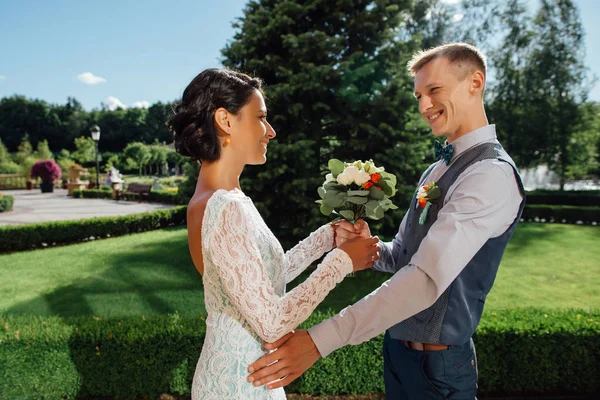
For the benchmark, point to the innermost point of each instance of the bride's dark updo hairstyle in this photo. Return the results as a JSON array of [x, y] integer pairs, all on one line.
[[193, 126]]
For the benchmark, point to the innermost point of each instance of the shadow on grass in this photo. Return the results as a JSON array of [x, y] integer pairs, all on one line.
[[156, 277], [146, 278]]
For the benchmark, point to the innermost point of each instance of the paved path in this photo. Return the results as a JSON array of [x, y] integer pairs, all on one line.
[[32, 206]]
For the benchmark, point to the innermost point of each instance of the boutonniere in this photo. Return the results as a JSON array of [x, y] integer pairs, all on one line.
[[425, 195]]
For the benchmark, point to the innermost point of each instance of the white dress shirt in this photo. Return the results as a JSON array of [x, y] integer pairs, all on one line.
[[481, 204]]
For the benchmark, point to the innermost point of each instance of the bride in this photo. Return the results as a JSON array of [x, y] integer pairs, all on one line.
[[222, 122]]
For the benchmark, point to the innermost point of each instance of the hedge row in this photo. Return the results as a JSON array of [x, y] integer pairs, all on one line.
[[30, 236], [519, 352], [565, 214], [6, 203], [165, 197], [587, 198]]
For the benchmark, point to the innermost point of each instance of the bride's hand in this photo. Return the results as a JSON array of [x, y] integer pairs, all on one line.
[[362, 252]]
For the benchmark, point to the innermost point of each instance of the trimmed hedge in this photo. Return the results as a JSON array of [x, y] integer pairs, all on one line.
[[582, 198], [6, 203], [27, 237], [154, 196], [519, 352], [565, 214]]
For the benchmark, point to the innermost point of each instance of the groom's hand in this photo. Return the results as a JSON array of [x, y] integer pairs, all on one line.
[[344, 231], [296, 352]]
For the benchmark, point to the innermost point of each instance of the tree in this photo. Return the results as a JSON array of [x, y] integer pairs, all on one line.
[[139, 153], [43, 151], [25, 150], [556, 79], [154, 127], [176, 160], [20, 116], [158, 156], [582, 149], [85, 152], [509, 107], [7, 166], [336, 87], [4, 154]]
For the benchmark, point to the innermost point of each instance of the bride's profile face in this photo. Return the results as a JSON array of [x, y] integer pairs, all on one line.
[[251, 132]]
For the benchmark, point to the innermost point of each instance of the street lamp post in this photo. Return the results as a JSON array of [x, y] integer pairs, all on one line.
[[95, 130]]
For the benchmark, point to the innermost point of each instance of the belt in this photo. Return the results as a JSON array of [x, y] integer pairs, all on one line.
[[425, 346]]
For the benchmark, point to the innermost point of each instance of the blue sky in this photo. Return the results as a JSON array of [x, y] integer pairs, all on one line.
[[136, 52]]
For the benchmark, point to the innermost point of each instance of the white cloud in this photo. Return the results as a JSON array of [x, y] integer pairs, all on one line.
[[141, 104], [90, 79], [113, 103], [457, 17]]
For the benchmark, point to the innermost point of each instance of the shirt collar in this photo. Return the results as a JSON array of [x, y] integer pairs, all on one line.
[[473, 138]]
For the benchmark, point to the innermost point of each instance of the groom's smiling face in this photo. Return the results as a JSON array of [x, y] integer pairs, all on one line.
[[444, 98]]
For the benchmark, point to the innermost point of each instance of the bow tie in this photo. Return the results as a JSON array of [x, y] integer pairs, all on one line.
[[444, 152]]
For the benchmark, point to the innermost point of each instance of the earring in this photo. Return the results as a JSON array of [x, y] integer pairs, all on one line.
[[227, 141]]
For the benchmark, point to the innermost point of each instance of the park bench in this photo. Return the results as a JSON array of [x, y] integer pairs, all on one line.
[[136, 189]]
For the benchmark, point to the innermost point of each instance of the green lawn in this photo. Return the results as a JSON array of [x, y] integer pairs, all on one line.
[[549, 266]]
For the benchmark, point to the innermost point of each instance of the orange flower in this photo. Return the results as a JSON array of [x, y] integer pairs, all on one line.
[[426, 188], [368, 185], [422, 202], [375, 178]]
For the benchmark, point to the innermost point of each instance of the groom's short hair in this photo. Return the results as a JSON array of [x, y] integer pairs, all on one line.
[[465, 57]]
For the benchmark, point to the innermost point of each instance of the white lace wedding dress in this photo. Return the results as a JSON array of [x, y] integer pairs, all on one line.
[[245, 273]]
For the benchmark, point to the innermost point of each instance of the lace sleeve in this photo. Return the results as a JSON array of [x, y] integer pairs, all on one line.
[[238, 261], [307, 251]]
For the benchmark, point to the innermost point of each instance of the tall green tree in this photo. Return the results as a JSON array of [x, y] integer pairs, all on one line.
[[85, 150], [336, 87], [158, 156], [43, 150], [509, 105], [4, 154], [557, 84], [139, 153]]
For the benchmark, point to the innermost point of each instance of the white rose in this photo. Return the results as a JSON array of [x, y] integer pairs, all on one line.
[[329, 178], [421, 193], [361, 178], [344, 179]]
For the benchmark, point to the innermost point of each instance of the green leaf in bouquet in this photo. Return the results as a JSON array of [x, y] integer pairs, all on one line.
[[358, 192], [357, 200], [376, 194], [390, 177], [336, 167], [378, 213], [371, 206], [347, 214], [385, 185], [325, 210], [321, 192], [334, 186], [334, 198]]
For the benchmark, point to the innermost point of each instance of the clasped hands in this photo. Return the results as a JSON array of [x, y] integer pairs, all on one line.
[[296, 352]]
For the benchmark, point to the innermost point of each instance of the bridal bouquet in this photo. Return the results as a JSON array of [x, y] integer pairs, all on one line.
[[357, 190]]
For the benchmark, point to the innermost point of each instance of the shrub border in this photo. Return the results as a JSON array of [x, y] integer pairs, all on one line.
[[32, 236], [6, 203], [519, 352]]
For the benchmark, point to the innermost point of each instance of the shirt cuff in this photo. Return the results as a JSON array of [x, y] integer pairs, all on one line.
[[325, 337]]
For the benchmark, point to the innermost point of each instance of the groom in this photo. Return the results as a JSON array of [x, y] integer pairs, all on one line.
[[444, 257]]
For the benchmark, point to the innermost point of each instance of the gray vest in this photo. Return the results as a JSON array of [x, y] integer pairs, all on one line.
[[452, 319]]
